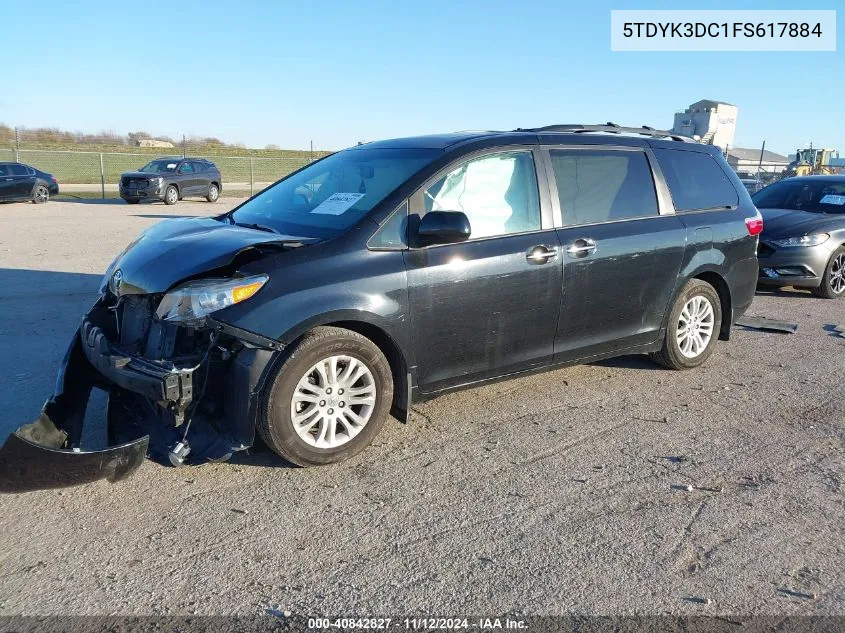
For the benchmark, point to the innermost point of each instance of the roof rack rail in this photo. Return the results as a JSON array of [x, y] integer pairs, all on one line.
[[610, 128]]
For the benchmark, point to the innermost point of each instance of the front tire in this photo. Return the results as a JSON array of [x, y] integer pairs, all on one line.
[[213, 193], [171, 195], [329, 398], [40, 194], [833, 280], [693, 327]]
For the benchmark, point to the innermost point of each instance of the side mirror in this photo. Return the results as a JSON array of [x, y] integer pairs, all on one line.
[[444, 227]]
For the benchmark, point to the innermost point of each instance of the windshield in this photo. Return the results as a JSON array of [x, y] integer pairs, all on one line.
[[328, 197], [160, 166], [816, 196]]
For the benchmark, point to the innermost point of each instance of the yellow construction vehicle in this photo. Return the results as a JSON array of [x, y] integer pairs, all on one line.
[[812, 161]]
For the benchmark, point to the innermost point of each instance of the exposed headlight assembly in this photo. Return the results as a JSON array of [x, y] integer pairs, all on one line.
[[804, 240], [195, 300]]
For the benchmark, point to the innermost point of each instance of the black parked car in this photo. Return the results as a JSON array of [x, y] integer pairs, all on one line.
[[171, 179], [22, 182], [395, 271]]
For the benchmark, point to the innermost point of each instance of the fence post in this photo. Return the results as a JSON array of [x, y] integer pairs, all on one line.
[[102, 177], [760, 164], [17, 147], [251, 176]]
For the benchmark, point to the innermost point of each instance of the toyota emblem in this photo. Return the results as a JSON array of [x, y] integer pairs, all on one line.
[[116, 281]]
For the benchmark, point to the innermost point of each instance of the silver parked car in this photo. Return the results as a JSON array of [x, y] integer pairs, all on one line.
[[803, 239]]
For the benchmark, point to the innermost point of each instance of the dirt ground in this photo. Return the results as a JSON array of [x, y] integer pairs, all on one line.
[[558, 493]]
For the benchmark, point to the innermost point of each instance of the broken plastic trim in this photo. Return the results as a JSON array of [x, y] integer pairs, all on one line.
[[764, 323], [32, 459], [44, 454]]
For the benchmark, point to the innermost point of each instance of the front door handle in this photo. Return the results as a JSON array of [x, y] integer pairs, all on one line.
[[581, 247], [540, 254]]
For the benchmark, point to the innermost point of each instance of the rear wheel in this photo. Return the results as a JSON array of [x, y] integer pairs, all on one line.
[[693, 327], [213, 193], [329, 399], [171, 195], [40, 194], [833, 280]]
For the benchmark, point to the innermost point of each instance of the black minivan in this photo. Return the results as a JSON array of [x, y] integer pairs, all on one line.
[[392, 272]]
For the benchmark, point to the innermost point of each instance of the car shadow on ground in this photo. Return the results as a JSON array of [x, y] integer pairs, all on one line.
[[784, 293], [635, 361], [261, 456], [75, 200], [40, 314]]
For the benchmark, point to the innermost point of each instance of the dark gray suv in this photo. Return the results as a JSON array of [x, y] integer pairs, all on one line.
[[171, 179]]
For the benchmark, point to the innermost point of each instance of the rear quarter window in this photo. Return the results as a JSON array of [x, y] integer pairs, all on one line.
[[696, 181]]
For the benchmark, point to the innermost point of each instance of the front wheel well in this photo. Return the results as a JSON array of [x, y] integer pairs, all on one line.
[[396, 359], [724, 291]]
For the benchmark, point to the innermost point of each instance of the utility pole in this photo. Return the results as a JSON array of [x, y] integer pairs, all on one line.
[[760, 163]]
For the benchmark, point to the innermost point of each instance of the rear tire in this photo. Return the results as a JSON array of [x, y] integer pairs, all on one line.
[[171, 195], [833, 280], [40, 194], [213, 193], [315, 413], [693, 327]]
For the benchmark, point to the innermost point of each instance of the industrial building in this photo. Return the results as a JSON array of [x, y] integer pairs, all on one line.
[[748, 160], [713, 122]]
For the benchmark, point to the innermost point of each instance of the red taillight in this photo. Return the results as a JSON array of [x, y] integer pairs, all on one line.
[[754, 225]]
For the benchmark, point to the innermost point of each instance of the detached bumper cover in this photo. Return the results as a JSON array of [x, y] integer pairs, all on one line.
[[46, 453], [32, 459]]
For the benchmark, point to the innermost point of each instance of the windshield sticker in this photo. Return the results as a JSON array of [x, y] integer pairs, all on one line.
[[832, 199], [171, 165], [337, 203]]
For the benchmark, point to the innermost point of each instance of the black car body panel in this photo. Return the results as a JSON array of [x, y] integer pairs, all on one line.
[[18, 181], [191, 177], [446, 316]]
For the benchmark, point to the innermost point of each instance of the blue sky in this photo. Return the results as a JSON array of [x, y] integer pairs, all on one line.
[[338, 72]]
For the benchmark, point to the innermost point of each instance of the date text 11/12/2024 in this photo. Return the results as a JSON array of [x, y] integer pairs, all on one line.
[[417, 624]]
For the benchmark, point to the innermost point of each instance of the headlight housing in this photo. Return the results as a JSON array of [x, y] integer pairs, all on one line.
[[803, 240], [193, 301]]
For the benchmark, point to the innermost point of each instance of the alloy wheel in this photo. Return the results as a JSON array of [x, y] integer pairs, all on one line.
[[333, 401], [695, 326], [41, 194], [837, 274]]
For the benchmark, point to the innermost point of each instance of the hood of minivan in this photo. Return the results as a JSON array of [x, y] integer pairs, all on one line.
[[778, 223], [181, 248]]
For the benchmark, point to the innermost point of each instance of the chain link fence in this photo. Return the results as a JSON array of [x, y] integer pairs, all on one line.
[[87, 173]]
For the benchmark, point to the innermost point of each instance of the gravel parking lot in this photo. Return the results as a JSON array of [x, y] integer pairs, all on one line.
[[563, 492]]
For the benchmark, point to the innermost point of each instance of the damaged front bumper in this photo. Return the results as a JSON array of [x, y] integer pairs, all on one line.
[[180, 407]]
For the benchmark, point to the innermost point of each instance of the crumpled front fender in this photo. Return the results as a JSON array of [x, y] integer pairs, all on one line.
[[45, 454]]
